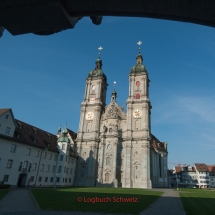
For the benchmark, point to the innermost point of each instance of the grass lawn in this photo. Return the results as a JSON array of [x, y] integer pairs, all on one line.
[[198, 201], [3, 193], [67, 199]]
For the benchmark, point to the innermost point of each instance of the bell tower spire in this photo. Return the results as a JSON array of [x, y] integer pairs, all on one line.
[[114, 93], [87, 140], [138, 119]]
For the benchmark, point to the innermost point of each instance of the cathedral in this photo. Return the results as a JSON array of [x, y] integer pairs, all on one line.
[[115, 147]]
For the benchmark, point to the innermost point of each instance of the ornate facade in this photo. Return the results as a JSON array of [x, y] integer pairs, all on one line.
[[116, 147]]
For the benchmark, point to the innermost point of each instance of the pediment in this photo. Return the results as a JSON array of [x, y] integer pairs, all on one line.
[[137, 163], [108, 154], [114, 111]]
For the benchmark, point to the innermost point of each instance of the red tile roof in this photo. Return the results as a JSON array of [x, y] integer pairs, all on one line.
[[156, 144], [201, 167], [3, 110], [211, 168], [178, 169]]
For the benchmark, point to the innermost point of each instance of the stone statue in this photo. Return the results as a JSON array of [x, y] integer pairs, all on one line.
[[105, 129], [107, 177]]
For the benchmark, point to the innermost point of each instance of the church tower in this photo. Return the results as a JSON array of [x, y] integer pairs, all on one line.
[[136, 171], [87, 141]]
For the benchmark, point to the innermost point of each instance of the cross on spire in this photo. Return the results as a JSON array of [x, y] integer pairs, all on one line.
[[139, 43], [100, 49]]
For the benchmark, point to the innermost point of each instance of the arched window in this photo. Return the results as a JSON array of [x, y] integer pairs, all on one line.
[[110, 130], [29, 168], [20, 166], [25, 165], [137, 96], [137, 83]]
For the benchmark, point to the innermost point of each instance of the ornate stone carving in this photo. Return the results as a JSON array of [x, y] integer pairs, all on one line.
[[113, 112]]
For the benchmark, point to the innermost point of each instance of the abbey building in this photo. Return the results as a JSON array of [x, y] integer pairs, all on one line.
[[116, 147], [113, 147]]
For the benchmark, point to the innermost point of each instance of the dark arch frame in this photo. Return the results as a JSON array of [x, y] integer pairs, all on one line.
[[46, 17]]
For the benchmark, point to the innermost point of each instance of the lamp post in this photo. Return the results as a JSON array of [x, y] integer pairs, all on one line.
[[55, 180]]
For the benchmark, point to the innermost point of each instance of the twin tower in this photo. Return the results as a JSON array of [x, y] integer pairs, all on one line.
[[113, 145]]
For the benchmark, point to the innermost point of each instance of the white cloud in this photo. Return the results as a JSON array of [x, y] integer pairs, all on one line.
[[209, 137], [182, 109]]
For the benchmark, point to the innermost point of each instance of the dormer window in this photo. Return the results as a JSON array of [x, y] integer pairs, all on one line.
[[49, 135], [35, 130]]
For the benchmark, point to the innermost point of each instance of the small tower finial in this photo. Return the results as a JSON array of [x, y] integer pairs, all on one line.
[[139, 43], [114, 84], [114, 94], [100, 49]]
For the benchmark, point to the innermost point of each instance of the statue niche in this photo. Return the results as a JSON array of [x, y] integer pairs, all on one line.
[[107, 176]]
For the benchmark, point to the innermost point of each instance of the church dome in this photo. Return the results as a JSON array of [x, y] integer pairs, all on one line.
[[139, 68], [97, 72]]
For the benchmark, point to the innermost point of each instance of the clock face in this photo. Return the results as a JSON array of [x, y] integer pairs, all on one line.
[[93, 87], [89, 115], [137, 113]]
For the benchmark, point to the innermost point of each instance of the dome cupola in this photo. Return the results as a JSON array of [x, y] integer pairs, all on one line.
[[139, 67], [97, 72]]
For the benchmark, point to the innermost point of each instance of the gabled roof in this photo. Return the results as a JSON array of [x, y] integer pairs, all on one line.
[[113, 111], [3, 110], [201, 167]]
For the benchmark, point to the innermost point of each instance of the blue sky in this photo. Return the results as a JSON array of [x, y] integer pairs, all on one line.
[[43, 77]]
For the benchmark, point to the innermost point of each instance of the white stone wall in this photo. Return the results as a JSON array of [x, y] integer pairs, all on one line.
[[20, 156], [6, 120]]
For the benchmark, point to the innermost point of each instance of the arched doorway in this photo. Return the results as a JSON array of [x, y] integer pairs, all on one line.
[[22, 180]]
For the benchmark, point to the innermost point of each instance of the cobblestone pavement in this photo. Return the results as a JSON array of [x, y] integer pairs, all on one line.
[[168, 204], [20, 202]]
